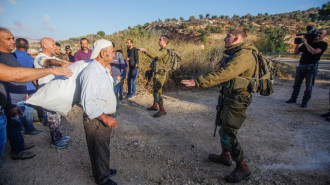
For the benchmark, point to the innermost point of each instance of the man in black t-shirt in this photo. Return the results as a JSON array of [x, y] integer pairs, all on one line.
[[308, 64], [133, 62]]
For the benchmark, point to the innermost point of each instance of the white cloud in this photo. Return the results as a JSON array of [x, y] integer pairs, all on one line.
[[18, 25], [46, 18], [46, 23], [13, 2], [1, 8]]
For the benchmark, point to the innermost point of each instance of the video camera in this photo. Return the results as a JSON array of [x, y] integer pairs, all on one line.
[[309, 35]]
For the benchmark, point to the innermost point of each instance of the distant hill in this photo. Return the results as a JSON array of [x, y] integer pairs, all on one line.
[[210, 28]]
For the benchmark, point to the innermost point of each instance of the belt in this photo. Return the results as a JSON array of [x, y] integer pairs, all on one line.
[[85, 117]]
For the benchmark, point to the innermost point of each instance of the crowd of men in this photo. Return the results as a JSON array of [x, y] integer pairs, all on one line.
[[102, 83]]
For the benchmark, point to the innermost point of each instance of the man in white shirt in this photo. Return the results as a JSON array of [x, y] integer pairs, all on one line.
[[99, 103]]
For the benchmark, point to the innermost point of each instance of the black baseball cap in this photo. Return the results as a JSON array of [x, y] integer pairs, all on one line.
[[68, 48]]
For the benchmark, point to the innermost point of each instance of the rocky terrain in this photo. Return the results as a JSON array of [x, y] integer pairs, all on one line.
[[283, 143]]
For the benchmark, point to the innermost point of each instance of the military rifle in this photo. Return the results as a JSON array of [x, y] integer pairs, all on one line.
[[148, 75], [218, 120]]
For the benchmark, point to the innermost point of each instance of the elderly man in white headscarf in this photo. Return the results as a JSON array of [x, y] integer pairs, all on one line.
[[99, 103]]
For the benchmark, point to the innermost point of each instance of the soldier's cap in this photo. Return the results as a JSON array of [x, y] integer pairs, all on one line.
[[68, 48], [98, 46]]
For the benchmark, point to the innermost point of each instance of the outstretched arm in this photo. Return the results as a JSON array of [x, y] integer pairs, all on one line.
[[21, 74], [189, 83], [54, 62]]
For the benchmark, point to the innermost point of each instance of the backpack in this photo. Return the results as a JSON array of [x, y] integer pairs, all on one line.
[[263, 78], [174, 61]]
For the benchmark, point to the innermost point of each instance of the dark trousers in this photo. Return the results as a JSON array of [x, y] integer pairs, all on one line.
[[98, 140], [307, 72], [14, 135]]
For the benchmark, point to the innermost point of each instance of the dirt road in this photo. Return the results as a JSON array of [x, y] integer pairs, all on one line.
[[283, 143]]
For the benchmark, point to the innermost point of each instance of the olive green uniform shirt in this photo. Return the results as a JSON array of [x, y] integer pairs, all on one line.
[[161, 54], [241, 63]]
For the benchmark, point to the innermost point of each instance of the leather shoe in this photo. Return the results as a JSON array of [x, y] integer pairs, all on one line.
[[112, 173], [223, 158], [303, 104], [22, 155], [291, 101], [109, 182], [325, 115], [28, 146]]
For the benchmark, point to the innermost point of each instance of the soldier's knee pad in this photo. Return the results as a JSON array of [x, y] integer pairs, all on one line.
[[156, 97], [225, 140]]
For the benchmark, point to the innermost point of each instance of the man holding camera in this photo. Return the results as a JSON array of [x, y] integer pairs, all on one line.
[[308, 65]]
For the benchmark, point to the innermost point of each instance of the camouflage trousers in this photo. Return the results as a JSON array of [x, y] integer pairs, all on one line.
[[233, 115], [159, 81], [54, 120]]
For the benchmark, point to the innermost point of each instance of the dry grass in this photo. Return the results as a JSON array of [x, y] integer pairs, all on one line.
[[196, 59]]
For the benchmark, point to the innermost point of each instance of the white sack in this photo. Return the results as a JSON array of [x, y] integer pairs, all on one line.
[[61, 93]]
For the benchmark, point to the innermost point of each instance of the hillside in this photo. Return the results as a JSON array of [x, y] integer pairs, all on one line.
[[209, 29]]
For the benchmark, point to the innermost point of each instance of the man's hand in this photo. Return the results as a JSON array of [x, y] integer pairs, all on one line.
[[142, 50], [122, 81], [111, 122], [16, 112], [304, 40], [127, 59], [310, 49], [58, 71], [189, 83]]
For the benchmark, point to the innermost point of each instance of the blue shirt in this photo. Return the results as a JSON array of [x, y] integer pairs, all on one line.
[[26, 60], [16, 91], [97, 95], [118, 66]]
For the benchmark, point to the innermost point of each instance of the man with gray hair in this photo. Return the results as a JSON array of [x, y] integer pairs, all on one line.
[[99, 103]]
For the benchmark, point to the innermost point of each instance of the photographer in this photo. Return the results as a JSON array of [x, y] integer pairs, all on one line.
[[308, 65]]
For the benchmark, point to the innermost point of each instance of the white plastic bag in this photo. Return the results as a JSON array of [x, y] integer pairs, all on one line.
[[61, 93]]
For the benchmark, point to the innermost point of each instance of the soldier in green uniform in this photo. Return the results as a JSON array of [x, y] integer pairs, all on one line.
[[232, 74], [159, 79]]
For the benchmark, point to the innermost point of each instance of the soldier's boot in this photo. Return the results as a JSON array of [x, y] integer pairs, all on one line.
[[223, 158], [240, 173], [161, 112], [154, 107]]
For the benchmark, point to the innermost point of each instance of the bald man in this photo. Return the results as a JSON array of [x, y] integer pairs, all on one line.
[[46, 59]]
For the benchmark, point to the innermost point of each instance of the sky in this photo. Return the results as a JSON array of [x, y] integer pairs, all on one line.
[[63, 19]]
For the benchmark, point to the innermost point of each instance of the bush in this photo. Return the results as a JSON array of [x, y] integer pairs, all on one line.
[[273, 40]]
